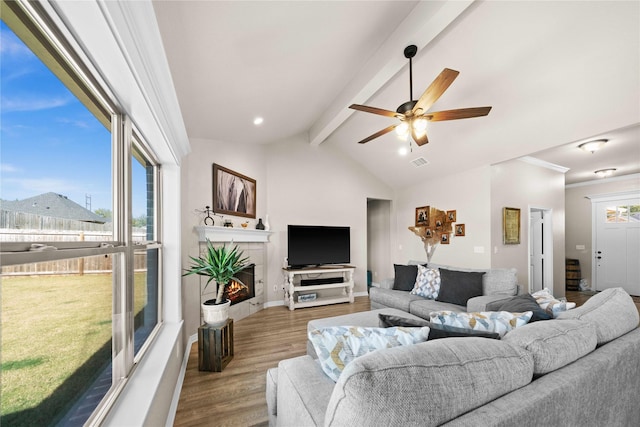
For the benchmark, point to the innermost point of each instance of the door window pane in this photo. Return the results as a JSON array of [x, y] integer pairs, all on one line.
[[56, 340]]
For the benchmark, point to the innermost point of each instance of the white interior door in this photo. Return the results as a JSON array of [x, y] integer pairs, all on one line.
[[536, 251], [617, 244]]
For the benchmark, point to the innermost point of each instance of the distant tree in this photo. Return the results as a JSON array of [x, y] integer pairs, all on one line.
[[105, 213], [140, 221]]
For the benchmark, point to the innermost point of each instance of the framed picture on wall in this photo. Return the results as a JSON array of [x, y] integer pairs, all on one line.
[[422, 216], [459, 229], [233, 193], [511, 226], [451, 216]]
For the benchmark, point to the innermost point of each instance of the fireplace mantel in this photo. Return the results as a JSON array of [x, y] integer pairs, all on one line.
[[231, 234]]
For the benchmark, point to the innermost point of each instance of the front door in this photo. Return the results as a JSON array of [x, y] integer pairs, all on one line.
[[617, 245]]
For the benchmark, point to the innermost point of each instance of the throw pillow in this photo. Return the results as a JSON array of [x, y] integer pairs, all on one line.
[[405, 277], [550, 304], [520, 304], [337, 346], [456, 287], [500, 322], [427, 282], [435, 331]]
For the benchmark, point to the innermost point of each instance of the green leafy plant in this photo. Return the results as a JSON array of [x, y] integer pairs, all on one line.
[[219, 264]]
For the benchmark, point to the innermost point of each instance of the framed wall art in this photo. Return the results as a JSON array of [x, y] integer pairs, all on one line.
[[422, 216], [451, 216], [459, 229], [233, 193], [511, 226]]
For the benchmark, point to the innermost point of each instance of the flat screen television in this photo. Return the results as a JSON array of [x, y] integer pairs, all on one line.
[[311, 245]]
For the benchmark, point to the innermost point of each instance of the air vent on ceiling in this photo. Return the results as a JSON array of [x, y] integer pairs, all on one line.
[[420, 161]]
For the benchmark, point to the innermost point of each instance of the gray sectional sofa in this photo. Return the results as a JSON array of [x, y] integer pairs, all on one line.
[[581, 369], [497, 284]]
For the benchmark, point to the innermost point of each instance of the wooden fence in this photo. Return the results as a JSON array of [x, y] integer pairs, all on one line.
[[21, 227]]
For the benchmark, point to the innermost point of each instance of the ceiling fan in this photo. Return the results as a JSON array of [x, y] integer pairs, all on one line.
[[413, 115]]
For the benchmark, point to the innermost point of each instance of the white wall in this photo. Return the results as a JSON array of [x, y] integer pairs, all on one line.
[[517, 184], [316, 186], [579, 231], [468, 193]]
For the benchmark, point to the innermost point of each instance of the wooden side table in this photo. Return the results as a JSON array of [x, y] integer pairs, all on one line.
[[215, 346]]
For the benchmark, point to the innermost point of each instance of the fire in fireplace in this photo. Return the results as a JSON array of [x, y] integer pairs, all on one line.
[[238, 292]]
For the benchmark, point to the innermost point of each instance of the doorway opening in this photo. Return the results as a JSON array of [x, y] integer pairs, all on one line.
[[540, 249], [378, 241]]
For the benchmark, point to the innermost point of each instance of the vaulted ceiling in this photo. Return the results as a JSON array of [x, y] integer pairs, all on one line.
[[556, 73]]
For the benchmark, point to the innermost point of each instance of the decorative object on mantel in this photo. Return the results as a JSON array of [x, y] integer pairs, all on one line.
[[267, 226], [228, 223], [208, 220], [511, 226], [244, 224], [233, 193], [220, 264], [260, 225], [435, 227]]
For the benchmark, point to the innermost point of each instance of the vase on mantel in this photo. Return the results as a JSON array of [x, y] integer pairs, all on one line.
[[267, 226], [260, 225]]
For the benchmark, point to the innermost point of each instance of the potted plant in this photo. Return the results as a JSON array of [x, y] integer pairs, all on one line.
[[219, 264]]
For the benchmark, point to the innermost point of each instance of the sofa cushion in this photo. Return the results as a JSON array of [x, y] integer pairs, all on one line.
[[500, 281], [520, 304], [424, 307], [612, 311], [427, 282], [337, 346], [456, 287], [405, 277], [496, 281], [435, 331], [554, 344], [426, 384], [400, 300], [500, 322]]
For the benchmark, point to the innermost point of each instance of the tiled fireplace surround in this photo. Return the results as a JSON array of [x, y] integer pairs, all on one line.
[[254, 245]]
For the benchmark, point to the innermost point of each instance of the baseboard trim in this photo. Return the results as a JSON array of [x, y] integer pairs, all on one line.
[[176, 393], [273, 304]]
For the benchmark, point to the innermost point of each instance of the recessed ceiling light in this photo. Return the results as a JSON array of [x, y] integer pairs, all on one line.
[[258, 121], [403, 151], [604, 173], [593, 146]]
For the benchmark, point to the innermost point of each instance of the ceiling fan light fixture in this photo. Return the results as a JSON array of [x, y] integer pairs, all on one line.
[[605, 173], [402, 130], [419, 126], [593, 146]]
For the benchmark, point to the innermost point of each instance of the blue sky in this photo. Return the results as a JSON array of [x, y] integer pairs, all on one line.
[[49, 140]]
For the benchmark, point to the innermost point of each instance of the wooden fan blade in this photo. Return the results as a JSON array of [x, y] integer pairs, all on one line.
[[379, 133], [420, 140], [462, 113], [435, 91], [375, 110]]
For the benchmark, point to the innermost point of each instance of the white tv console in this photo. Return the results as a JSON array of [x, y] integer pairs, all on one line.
[[292, 289]]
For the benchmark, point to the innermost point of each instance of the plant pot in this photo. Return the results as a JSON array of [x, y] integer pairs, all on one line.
[[215, 314]]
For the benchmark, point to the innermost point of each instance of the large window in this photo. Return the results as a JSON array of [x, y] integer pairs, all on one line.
[[79, 225]]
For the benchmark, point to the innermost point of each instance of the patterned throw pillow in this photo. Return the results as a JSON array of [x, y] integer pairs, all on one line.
[[337, 346], [500, 322], [427, 282], [550, 304]]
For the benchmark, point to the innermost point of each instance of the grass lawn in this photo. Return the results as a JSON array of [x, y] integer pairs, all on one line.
[[52, 326]]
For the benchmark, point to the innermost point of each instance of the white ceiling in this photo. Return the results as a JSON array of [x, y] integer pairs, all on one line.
[[555, 73]]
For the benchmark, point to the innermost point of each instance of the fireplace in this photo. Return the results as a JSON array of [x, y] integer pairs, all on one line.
[[238, 293]]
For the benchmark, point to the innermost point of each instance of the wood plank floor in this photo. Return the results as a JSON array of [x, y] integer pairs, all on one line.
[[236, 396]]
